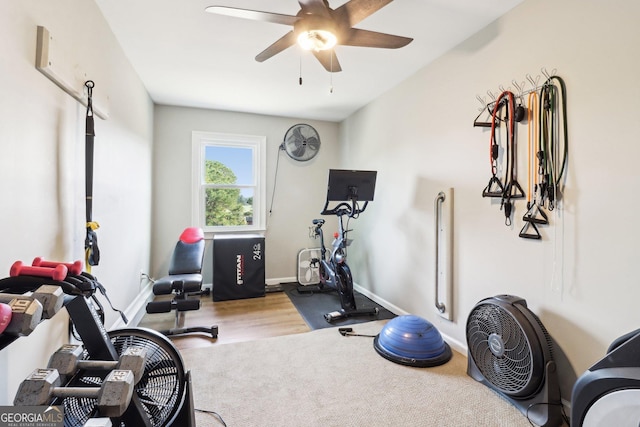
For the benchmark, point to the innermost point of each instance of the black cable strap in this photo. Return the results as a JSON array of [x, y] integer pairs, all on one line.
[[92, 252], [494, 188]]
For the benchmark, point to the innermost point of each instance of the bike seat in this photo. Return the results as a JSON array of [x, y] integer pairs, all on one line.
[[318, 221]]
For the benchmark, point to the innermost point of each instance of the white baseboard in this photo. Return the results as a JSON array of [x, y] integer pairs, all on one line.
[[453, 343], [268, 282], [373, 297], [279, 280]]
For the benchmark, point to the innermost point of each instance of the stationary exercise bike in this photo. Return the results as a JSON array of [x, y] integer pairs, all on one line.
[[335, 274]]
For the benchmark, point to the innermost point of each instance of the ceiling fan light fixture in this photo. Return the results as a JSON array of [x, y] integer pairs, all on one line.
[[317, 40]]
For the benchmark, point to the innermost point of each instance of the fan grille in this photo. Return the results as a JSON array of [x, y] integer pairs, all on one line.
[[301, 142], [500, 348], [77, 410], [309, 266], [160, 390]]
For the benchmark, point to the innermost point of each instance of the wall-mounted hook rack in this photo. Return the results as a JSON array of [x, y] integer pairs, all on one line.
[[547, 145], [520, 87]]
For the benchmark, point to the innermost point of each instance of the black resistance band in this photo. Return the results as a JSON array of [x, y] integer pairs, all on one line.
[[92, 253], [512, 189], [553, 146], [494, 188]]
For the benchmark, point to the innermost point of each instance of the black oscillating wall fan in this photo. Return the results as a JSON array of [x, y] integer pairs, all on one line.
[[510, 351], [301, 142]]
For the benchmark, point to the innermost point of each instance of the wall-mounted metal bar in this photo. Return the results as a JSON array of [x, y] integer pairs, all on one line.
[[443, 238], [52, 68]]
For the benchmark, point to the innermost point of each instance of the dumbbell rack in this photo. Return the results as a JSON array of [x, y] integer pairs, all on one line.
[[25, 279], [6, 340], [96, 340]]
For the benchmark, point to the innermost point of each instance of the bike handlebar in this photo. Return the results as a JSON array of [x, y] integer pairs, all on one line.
[[344, 208]]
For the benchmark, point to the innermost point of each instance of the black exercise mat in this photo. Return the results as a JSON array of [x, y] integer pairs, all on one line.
[[313, 306]]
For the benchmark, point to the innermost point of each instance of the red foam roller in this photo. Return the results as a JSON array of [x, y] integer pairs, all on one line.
[[5, 316], [74, 268], [58, 273]]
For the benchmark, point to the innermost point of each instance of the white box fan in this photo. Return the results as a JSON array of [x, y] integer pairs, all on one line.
[[510, 351], [309, 266]]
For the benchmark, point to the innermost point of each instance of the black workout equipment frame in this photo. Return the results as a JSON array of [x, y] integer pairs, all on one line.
[[161, 398], [335, 274], [608, 393], [184, 280]]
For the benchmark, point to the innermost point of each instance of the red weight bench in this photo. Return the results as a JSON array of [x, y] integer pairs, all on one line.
[[184, 280]]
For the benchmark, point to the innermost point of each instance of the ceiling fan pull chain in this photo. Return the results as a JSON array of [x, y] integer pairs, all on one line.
[[331, 76], [300, 78]]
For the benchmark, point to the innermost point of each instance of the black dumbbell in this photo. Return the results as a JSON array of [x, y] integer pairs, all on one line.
[[113, 396], [68, 359]]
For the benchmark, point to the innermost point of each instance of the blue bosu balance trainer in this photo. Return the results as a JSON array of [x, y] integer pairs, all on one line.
[[413, 341]]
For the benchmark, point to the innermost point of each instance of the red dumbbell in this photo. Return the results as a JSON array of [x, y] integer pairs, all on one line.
[[5, 316], [58, 273], [74, 268]]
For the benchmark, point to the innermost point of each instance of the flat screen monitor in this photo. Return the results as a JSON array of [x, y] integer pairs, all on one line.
[[351, 185]]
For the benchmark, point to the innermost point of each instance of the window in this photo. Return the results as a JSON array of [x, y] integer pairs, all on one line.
[[228, 182]]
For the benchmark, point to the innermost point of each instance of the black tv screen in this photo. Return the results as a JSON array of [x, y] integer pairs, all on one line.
[[351, 185]]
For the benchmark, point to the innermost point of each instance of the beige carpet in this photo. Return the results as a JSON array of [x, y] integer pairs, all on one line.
[[321, 378]]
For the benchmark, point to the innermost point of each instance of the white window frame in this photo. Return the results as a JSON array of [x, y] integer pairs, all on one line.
[[199, 141]]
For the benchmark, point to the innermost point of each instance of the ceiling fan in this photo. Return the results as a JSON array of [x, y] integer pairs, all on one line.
[[318, 27]]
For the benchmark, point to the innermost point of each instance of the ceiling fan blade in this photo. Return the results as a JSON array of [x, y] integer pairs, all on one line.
[[278, 46], [254, 15], [314, 7], [365, 38], [357, 10], [328, 59]]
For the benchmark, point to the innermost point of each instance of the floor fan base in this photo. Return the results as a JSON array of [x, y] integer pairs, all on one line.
[[537, 408]]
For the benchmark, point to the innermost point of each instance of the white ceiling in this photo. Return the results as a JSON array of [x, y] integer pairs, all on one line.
[[188, 57]]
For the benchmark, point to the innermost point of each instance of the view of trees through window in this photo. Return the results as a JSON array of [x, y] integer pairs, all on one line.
[[231, 206], [228, 178]]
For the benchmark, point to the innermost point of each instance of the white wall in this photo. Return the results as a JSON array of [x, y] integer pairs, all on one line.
[[299, 194], [581, 279], [42, 163]]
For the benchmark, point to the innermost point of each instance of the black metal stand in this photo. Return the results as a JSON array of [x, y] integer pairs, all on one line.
[[314, 289], [179, 328], [99, 346]]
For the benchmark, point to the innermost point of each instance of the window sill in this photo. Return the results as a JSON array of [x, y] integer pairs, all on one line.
[[209, 235]]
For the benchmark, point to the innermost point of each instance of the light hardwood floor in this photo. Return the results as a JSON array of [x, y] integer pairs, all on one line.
[[237, 320]]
